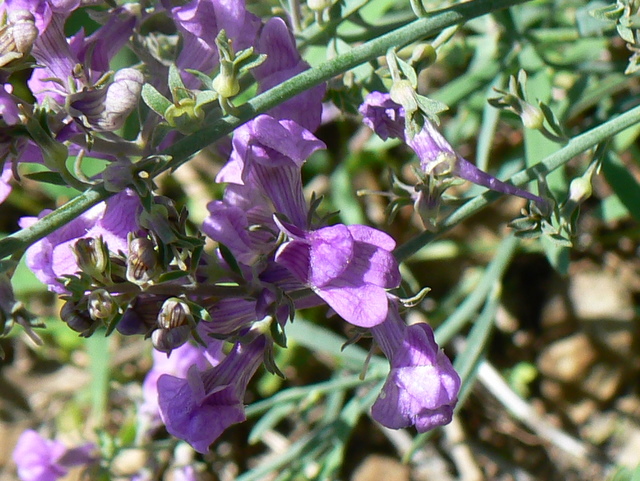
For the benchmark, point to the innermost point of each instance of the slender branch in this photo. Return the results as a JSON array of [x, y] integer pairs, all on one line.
[[62, 215], [525, 413]]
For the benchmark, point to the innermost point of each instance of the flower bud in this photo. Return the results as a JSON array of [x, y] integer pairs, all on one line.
[[165, 340], [92, 256], [185, 116], [580, 189], [142, 261], [101, 305], [427, 203], [107, 108], [78, 320], [319, 5], [17, 37], [226, 85], [532, 117], [174, 313]]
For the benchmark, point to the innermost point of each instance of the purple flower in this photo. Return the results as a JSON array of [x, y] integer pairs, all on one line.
[[107, 108], [198, 409], [200, 22], [422, 387], [9, 111], [382, 115], [177, 364], [231, 220], [349, 267], [5, 177], [437, 156], [11, 145], [283, 62], [59, 56], [228, 315], [52, 257], [40, 459], [268, 155]]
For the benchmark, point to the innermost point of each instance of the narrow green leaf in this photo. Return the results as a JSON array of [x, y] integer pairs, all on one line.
[[48, 177], [269, 420], [155, 100], [623, 183]]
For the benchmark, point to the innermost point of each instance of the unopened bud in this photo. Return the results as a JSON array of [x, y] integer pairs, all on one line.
[[92, 256], [142, 261], [185, 116], [319, 5], [580, 189], [78, 320], [427, 205], [17, 37], [173, 313], [532, 117], [101, 305], [165, 340], [226, 86]]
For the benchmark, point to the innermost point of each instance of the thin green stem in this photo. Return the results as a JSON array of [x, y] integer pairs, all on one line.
[[297, 394], [62, 215], [182, 150], [468, 309], [294, 15], [574, 147]]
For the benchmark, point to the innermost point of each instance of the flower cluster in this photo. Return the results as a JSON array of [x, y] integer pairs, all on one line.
[[134, 264]]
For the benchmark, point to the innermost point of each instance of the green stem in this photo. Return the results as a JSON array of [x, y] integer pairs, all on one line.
[[294, 15], [575, 146], [62, 215], [469, 307]]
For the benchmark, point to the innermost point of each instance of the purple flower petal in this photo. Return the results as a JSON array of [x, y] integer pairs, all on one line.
[[283, 62], [365, 305]]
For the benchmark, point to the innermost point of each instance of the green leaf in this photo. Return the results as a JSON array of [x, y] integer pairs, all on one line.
[[269, 420], [623, 183], [609, 12], [48, 177], [155, 100], [178, 89], [205, 97], [626, 33], [171, 276], [408, 72], [431, 107]]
